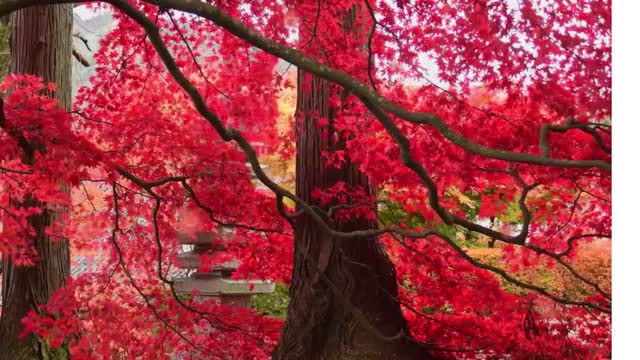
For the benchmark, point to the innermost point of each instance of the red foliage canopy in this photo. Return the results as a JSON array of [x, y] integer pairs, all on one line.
[[467, 110]]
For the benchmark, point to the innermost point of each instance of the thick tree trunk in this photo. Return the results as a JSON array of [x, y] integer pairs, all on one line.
[[343, 291], [331, 275], [41, 45]]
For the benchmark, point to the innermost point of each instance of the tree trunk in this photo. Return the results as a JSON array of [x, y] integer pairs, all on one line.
[[41, 45], [337, 282]]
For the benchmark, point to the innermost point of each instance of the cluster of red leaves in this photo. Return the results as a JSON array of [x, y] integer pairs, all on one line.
[[457, 307], [92, 312], [37, 151]]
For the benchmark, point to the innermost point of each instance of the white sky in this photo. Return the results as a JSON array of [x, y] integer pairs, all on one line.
[[83, 12]]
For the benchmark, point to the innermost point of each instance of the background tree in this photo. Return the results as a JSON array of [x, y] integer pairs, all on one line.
[[336, 284], [4, 45], [40, 45]]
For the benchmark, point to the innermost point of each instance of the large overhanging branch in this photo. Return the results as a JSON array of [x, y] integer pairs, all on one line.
[[230, 134], [399, 137], [224, 20], [376, 104], [360, 89]]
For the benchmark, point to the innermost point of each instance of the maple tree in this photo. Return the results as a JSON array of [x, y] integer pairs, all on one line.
[[425, 119]]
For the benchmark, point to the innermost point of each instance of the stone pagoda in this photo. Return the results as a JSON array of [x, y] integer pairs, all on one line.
[[217, 282]]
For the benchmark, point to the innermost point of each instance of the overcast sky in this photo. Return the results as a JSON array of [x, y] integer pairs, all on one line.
[[83, 12]]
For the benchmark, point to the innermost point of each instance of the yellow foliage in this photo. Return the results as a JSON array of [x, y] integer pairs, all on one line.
[[283, 171], [458, 195], [592, 261]]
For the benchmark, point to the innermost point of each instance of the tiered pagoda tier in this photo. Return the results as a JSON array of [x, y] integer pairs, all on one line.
[[215, 283]]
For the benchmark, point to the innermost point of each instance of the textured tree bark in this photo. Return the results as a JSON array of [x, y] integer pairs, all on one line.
[[320, 322], [333, 279], [41, 45]]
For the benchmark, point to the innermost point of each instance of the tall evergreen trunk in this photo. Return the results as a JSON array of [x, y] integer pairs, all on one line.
[[337, 282], [41, 44]]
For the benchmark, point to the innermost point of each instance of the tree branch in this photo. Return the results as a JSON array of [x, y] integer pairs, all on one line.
[[114, 232], [360, 89], [222, 19], [568, 125]]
